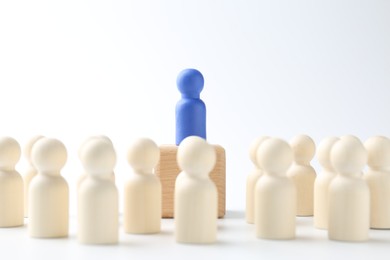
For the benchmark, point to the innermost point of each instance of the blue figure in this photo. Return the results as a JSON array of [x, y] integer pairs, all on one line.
[[190, 109]]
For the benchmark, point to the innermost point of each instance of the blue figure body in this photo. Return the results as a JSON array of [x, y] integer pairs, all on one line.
[[190, 109]]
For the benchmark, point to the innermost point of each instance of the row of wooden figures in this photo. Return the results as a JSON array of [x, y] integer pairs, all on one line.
[[342, 198], [46, 191]]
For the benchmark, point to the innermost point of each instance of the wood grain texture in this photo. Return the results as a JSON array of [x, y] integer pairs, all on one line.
[[167, 170]]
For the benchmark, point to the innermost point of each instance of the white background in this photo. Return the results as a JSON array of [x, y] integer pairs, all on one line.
[[70, 69]]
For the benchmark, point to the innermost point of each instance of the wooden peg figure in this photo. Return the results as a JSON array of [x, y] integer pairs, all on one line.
[[142, 193], [322, 182], [84, 175], [98, 195], [48, 205], [275, 194], [378, 180], [349, 195], [196, 198], [303, 174], [190, 110], [11, 184], [31, 171], [252, 179]]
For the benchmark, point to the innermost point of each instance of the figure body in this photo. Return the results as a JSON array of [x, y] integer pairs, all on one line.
[[349, 195], [303, 174], [98, 196], [31, 171], [275, 195], [252, 179], [49, 193], [11, 184], [378, 180], [190, 109], [196, 198], [322, 182], [142, 193]]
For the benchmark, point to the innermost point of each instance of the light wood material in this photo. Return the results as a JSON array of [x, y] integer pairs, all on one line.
[[252, 179], [275, 194], [196, 198], [11, 184], [322, 182], [98, 209], [167, 170], [142, 193], [349, 195], [378, 180], [31, 171], [48, 207], [303, 174]]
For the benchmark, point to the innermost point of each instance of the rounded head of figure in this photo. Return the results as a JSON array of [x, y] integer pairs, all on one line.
[[102, 137], [27, 149], [9, 152], [304, 149], [323, 152], [275, 156], [348, 156], [49, 156], [351, 137], [196, 157], [98, 157], [253, 148], [190, 83], [378, 149], [143, 155]]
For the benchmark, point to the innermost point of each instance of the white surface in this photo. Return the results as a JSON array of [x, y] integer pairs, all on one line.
[[236, 240], [70, 69]]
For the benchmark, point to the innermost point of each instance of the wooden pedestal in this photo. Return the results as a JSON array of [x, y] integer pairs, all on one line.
[[167, 170]]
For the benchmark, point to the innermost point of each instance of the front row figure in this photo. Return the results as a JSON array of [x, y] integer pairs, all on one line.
[[349, 195], [275, 194], [48, 206], [98, 195], [196, 198], [11, 184]]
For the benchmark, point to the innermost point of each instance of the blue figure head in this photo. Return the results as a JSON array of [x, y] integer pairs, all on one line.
[[190, 83]]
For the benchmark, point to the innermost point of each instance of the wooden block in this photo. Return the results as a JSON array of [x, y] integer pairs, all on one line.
[[167, 170]]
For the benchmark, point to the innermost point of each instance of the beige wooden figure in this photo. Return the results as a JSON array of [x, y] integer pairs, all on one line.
[[196, 197], [303, 174], [378, 180], [31, 171], [322, 182], [252, 179], [48, 206], [11, 184], [98, 195], [349, 195], [84, 175], [275, 194], [142, 193]]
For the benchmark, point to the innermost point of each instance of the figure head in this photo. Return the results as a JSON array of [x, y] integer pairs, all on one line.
[[323, 152], [9, 152], [275, 156], [102, 137], [348, 156], [253, 148], [49, 155], [304, 149], [143, 155], [98, 157], [190, 83], [378, 149], [196, 157], [29, 145]]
